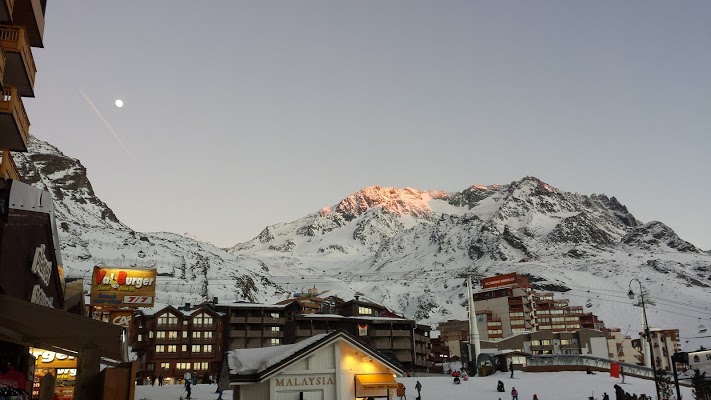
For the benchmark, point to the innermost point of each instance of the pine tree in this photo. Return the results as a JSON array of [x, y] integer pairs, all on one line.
[[666, 386], [701, 387]]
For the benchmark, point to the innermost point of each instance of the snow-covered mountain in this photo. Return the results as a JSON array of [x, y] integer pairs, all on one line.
[[406, 248]]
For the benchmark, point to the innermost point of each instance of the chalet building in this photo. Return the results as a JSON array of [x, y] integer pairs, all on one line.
[[250, 325], [171, 341]]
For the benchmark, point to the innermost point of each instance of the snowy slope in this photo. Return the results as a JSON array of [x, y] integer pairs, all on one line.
[[405, 248]]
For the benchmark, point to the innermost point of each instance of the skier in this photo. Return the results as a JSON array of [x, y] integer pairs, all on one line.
[[622, 374], [418, 386], [511, 367], [514, 394]]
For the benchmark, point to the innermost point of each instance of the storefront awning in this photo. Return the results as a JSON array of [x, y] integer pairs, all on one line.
[[33, 325], [377, 381]]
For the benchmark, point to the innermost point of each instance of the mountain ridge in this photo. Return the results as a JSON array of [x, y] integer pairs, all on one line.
[[402, 247]]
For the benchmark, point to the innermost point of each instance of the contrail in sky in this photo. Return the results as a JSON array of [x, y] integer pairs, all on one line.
[[105, 122]]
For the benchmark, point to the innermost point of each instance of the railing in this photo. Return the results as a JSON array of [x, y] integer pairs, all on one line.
[[272, 320], [8, 169], [237, 320], [254, 320], [273, 334], [578, 361], [254, 333], [3, 59], [238, 333], [15, 39], [11, 102], [402, 333]]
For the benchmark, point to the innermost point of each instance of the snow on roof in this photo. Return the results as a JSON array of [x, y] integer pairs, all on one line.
[[252, 305], [250, 361]]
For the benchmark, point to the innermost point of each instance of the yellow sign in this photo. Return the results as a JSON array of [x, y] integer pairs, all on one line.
[[50, 359], [123, 287]]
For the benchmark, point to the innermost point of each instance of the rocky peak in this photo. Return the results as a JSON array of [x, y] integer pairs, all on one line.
[[407, 201], [654, 234]]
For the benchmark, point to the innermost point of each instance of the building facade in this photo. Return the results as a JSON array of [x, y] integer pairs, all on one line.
[[665, 342], [585, 342], [171, 341]]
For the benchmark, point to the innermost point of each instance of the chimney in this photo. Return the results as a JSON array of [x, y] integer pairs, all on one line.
[[214, 300], [356, 297], [187, 306]]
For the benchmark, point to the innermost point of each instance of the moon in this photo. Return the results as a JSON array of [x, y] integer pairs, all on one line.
[[119, 103]]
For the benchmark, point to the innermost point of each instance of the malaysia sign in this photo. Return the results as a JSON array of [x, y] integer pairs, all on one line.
[[123, 287]]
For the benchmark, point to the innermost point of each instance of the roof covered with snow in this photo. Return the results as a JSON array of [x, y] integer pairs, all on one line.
[[250, 361]]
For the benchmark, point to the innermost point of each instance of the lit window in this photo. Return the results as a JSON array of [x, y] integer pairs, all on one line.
[[172, 334], [164, 366], [207, 348], [172, 348], [196, 335], [275, 341], [274, 315], [184, 348], [140, 338], [196, 348], [160, 348], [185, 334], [275, 329], [207, 335], [364, 311], [160, 334]]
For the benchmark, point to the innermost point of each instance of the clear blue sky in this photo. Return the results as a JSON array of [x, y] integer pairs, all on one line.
[[240, 114]]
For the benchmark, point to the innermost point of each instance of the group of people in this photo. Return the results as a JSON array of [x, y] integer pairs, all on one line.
[[620, 394], [160, 380], [457, 375]]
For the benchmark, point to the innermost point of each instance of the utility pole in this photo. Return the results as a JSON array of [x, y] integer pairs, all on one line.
[[647, 335], [473, 328]]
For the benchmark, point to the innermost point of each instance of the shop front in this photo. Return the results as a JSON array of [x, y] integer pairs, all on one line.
[[332, 366]]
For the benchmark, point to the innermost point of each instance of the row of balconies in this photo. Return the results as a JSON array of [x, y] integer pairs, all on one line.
[[244, 333], [21, 26], [257, 320], [8, 169]]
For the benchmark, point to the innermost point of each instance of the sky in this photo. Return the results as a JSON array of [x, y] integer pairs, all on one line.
[[242, 114]]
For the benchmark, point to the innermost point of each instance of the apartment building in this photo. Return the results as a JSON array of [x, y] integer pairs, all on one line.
[[665, 342], [583, 341], [171, 341], [21, 28], [251, 325], [620, 347]]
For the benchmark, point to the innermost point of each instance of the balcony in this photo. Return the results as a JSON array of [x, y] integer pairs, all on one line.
[[272, 320], [237, 320], [254, 333], [30, 14], [272, 334], [254, 320], [402, 333], [14, 124], [20, 67], [8, 169], [238, 333], [402, 346], [303, 332]]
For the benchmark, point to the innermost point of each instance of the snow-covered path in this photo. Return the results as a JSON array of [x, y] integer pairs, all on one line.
[[548, 386]]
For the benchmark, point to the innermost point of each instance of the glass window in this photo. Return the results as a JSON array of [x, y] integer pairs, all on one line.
[[160, 348], [172, 348], [172, 334], [274, 315], [546, 342], [160, 334], [564, 342], [140, 338], [185, 334], [364, 311], [275, 329], [207, 335], [150, 335], [207, 348], [184, 348], [196, 348], [165, 366], [275, 341], [196, 335]]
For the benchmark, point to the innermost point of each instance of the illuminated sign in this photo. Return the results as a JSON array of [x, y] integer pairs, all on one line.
[[123, 287], [363, 330], [122, 318], [305, 381], [51, 359]]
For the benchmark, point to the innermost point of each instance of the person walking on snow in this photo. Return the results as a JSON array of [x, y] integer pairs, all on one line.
[[622, 374], [514, 394], [418, 386], [511, 367], [187, 377]]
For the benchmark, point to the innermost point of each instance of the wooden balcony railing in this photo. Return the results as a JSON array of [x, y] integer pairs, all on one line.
[[15, 39], [8, 169], [3, 59], [11, 103], [254, 333], [237, 320]]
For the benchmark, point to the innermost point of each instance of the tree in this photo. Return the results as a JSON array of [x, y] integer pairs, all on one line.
[[701, 386], [666, 385]]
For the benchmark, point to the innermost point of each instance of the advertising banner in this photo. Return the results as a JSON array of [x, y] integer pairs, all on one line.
[[62, 366], [123, 287], [700, 359]]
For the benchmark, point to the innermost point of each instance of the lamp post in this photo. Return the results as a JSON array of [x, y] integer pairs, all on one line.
[[630, 294]]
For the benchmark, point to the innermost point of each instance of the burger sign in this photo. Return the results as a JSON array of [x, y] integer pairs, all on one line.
[[123, 287]]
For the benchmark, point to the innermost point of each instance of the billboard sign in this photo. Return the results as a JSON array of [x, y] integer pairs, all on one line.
[[122, 318], [700, 359], [123, 287]]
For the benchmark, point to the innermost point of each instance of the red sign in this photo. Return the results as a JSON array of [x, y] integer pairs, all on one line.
[[615, 370]]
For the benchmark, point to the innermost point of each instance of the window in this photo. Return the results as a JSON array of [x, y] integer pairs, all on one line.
[[172, 334], [182, 365], [535, 342], [365, 311], [185, 334], [172, 348], [546, 342], [207, 348], [202, 320], [558, 319], [160, 348], [150, 335], [140, 338], [275, 341], [274, 315], [495, 332], [168, 319], [574, 319], [151, 367], [207, 335], [196, 335], [516, 314], [274, 329], [184, 348], [200, 366], [164, 366], [196, 348], [160, 334], [564, 342]]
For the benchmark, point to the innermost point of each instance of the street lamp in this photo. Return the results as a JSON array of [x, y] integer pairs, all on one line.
[[646, 330]]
